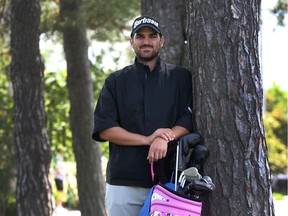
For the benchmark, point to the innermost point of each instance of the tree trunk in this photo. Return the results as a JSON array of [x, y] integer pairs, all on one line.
[[223, 47], [33, 191], [172, 17], [87, 152]]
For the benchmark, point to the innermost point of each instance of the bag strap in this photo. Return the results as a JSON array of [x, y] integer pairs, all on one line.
[[152, 171]]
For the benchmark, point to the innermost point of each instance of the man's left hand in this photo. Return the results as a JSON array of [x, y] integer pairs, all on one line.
[[157, 150]]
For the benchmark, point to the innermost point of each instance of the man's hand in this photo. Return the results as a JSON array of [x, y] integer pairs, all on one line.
[[157, 150], [164, 133]]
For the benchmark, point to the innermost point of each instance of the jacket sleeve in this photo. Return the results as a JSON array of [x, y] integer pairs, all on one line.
[[105, 114]]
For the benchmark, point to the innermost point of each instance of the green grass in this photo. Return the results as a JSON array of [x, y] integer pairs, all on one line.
[[278, 196]]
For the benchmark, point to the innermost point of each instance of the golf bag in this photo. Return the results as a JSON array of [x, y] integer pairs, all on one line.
[[166, 201], [181, 196]]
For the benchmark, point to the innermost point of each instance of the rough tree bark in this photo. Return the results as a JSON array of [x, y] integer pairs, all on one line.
[[33, 192], [172, 16], [223, 45], [87, 152]]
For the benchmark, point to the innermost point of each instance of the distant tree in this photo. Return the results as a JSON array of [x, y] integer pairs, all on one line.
[[33, 191], [275, 119], [105, 18], [79, 81]]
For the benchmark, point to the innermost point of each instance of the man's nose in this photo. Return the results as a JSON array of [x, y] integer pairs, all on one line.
[[146, 40]]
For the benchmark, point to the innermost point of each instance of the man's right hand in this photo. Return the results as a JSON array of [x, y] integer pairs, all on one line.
[[164, 133]]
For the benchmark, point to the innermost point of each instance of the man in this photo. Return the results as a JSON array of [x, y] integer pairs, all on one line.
[[141, 108]]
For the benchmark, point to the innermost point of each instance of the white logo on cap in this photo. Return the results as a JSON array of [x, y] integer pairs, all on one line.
[[146, 20]]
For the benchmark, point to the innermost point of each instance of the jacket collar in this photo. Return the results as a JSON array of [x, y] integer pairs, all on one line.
[[141, 66]]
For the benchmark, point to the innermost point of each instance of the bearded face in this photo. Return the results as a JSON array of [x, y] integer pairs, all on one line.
[[147, 44]]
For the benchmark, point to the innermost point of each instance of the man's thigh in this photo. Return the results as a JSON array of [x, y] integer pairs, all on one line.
[[124, 200]]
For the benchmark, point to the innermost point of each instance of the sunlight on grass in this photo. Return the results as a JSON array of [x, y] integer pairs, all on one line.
[[278, 196]]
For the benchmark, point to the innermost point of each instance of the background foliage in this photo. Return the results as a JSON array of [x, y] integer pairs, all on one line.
[[280, 10], [275, 121], [105, 19]]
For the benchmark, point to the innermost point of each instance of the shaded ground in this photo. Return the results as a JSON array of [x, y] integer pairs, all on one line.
[[280, 209]]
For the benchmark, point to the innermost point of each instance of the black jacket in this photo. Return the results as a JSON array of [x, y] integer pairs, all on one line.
[[141, 101]]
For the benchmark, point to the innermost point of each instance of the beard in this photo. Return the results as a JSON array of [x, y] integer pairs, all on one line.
[[147, 59], [146, 56]]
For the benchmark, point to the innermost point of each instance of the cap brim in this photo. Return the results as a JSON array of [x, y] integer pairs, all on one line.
[[145, 25]]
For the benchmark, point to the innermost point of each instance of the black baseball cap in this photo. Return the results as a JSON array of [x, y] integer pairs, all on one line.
[[145, 21]]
